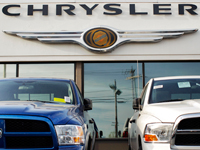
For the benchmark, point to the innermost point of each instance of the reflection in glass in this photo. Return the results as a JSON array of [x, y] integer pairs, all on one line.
[[175, 90], [47, 70], [7, 70], [1, 70], [58, 91], [162, 69], [97, 78]]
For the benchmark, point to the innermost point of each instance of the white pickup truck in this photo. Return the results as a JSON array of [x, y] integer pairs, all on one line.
[[167, 115]]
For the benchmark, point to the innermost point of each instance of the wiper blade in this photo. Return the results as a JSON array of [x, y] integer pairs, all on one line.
[[41, 101], [171, 100]]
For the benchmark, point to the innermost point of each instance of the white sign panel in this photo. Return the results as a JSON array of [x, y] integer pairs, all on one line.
[[126, 20]]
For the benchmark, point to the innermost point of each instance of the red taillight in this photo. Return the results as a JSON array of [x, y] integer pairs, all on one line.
[[125, 134]]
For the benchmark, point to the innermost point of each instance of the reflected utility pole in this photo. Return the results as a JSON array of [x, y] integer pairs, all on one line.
[[116, 120], [117, 92], [133, 77]]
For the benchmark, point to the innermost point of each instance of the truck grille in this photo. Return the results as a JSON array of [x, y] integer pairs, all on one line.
[[187, 131], [188, 140], [190, 123], [29, 142], [20, 125], [22, 133]]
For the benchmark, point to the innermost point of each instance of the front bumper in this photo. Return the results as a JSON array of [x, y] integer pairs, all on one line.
[[69, 147], [156, 146], [163, 146]]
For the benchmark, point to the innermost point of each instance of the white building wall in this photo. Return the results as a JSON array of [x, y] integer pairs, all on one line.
[[13, 48]]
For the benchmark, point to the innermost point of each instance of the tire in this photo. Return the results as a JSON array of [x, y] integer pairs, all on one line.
[[140, 147], [89, 144], [139, 143]]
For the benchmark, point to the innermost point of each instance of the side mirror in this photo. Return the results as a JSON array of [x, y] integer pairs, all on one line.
[[136, 103], [87, 104]]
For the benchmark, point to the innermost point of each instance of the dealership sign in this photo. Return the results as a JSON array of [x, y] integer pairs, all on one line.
[[108, 9], [101, 39]]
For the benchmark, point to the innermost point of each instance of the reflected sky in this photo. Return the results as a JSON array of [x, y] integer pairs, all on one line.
[[158, 69], [10, 70], [57, 70], [47, 70]]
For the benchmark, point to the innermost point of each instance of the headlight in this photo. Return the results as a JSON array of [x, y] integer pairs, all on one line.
[[158, 132], [69, 134]]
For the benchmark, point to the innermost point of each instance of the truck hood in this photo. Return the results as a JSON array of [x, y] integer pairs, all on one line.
[[58, 113], [169, 111]]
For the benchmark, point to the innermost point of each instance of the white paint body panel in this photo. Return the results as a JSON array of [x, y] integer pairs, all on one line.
[[168, 112], [14, 48]]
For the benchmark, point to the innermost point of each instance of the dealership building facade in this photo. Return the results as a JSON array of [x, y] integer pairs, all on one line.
[[100, 43]]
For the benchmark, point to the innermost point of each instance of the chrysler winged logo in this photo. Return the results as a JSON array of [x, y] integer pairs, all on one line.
[[101, 39]]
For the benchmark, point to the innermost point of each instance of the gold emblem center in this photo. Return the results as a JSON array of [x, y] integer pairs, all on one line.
[[100, 38]]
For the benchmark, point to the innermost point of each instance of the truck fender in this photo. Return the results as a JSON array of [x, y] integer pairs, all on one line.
[[142, 121]]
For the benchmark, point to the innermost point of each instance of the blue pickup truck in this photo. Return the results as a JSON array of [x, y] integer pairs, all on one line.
[[45, 114]]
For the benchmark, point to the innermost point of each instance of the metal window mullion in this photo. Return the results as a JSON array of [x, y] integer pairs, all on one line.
[[17, 70]]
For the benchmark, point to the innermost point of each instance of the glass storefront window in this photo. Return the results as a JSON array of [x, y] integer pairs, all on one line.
[[10, 70], [98, 80], [7, 70], [162, 69], [1, 70], [60, 70]]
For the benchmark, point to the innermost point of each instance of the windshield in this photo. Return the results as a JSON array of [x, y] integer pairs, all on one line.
[[175, 90], [36, 90]]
